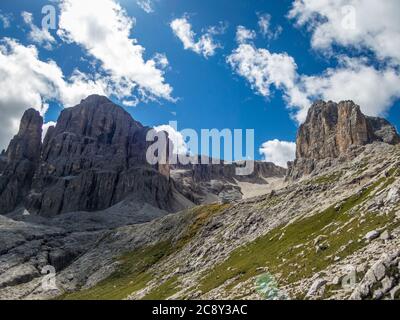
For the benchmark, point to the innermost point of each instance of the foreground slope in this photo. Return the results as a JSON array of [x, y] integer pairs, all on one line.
[[307, 236]]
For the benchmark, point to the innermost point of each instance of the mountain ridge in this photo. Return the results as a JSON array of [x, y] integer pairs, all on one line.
[[332, 130], [92, 159], [298, 240]]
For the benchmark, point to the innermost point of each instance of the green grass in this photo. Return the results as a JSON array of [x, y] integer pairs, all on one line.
[[131, 276], [134, 273], [278, 250], [200, 217], [165, 290], [327, 179], [283, 257]]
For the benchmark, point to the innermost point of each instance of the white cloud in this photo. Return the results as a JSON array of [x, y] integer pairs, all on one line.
[[205, 45], [39, 36], [79, 86], [180, 146], [103, 28], [262, 68], [130, 103], [264, 24], [26, 82], [373, 89], [278, 152], [243, 34], [367, 24], [146, 5]]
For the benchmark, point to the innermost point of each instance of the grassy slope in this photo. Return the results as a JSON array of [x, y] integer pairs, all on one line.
[[290, 250], [134, 272], [287, 251]]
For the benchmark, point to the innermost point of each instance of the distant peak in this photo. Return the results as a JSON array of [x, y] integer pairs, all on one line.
[[96, 99], [331, 129]]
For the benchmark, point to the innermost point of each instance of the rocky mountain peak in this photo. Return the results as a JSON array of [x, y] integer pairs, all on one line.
[[95, 100], [94, 158], [27, 143], [97, 117], [18, 164], [332, 128]]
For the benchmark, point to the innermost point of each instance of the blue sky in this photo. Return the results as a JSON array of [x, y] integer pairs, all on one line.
[[217, 89]]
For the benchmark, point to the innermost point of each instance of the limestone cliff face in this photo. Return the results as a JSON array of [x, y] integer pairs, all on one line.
[[20, 161], [332, 129], [92, 159]]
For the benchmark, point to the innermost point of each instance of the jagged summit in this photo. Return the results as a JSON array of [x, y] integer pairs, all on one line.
[[93, 158], [27, 143], [333, 129], [95, 99], [98, 117]]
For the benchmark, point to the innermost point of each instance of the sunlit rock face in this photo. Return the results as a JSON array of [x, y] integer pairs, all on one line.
[[92, 159], [332, 129]]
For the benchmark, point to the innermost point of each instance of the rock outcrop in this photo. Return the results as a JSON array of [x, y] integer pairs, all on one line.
[[332, 130], [20, 161], [227, 172], [209, 183], [92, 159]]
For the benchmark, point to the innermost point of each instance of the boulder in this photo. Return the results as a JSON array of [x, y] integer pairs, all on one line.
[[372, 235]]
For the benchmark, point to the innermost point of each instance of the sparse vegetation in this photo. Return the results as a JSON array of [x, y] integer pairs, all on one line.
[[165, 290], [290, 252], [134, 271], [132, 275], [327, 179], [201, 216]]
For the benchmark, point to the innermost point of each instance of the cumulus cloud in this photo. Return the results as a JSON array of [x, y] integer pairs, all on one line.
[[353, 79], [39, 36], [243, 34], [367, 24], [264, 24], [278, 152], [375, 90], [26, 82], [180, 146], [103, 28], [205, 45], [146, 5], [262, 68]]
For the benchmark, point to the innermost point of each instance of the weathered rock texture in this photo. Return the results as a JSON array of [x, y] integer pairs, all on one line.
[[20, 161], [209, 183], [95, 158], [332, 130], [92, 159], [227, 172]]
